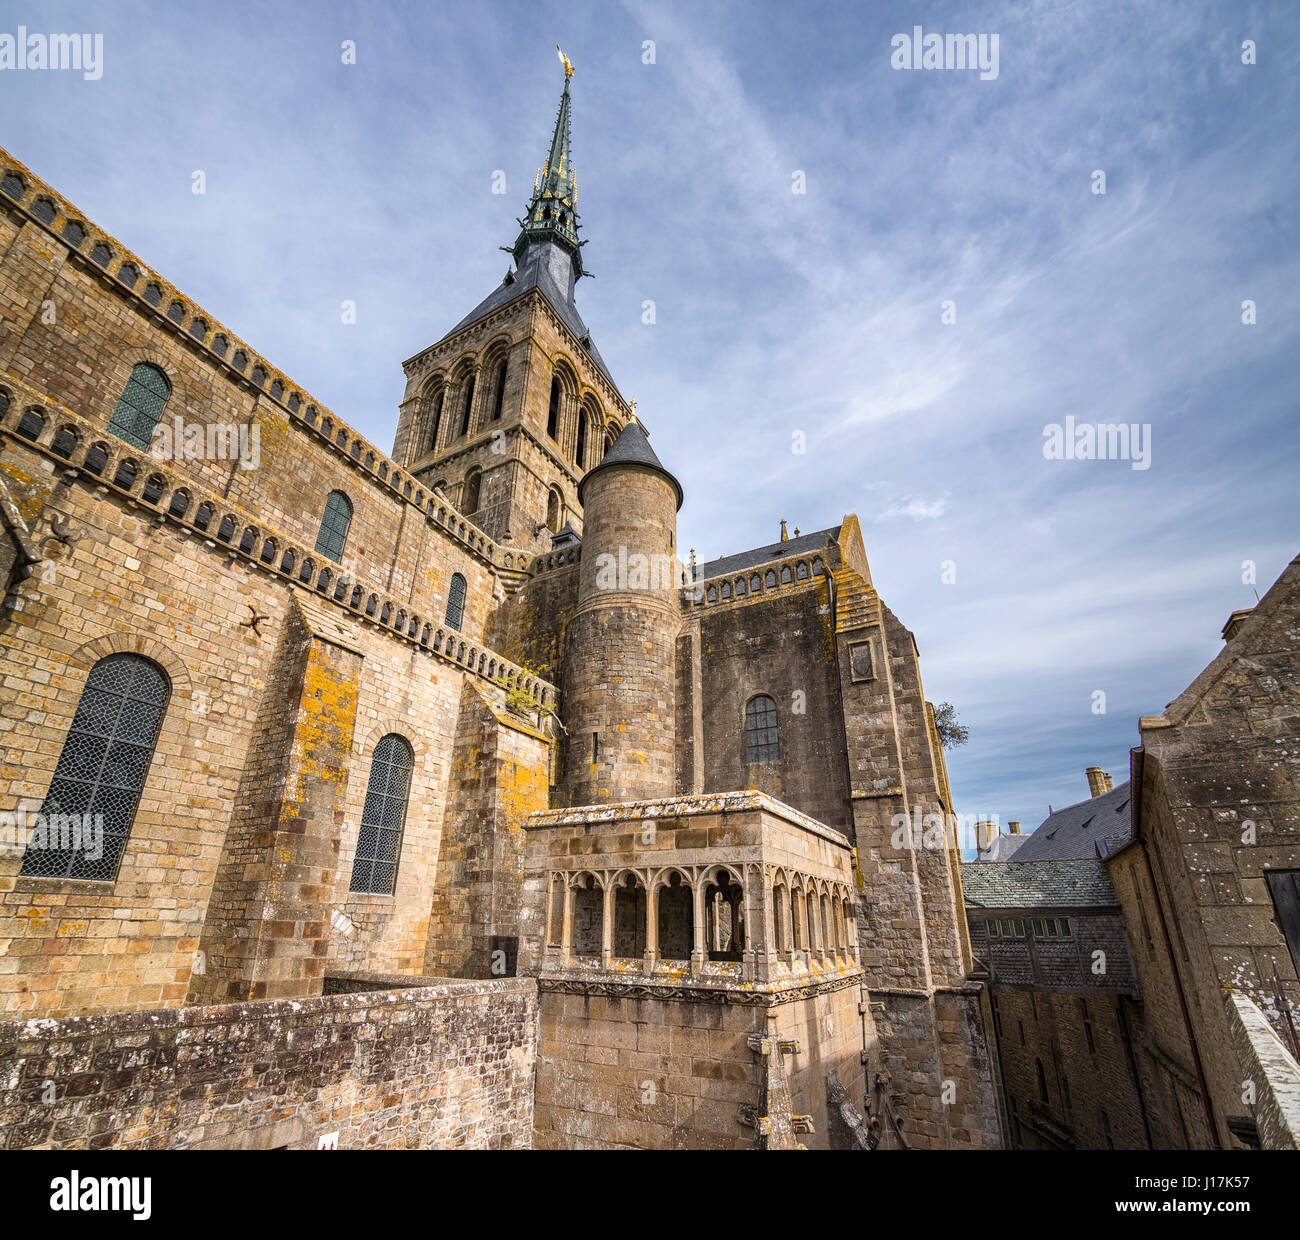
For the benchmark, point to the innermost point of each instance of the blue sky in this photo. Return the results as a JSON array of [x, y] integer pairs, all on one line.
[[777, 312]]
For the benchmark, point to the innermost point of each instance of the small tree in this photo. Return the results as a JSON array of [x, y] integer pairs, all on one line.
[[951, 733]]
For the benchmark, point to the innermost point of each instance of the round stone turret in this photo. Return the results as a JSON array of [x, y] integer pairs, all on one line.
[[620, 645]]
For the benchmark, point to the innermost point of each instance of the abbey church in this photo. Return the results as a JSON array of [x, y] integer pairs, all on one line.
[[434, 798]]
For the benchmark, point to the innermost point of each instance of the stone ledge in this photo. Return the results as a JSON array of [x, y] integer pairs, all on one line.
[[389, 989], [682, 807], [696, 988]]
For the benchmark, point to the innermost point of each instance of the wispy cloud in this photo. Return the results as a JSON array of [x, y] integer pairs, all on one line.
[[948, 284]]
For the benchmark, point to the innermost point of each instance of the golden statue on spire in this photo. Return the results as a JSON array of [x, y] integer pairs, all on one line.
[[568, 67]]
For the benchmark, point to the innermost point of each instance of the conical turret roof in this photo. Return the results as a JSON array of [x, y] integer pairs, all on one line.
[[632, 447]]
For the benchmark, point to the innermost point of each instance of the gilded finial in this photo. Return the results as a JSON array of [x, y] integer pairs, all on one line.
[[632, 406], [568, 68]]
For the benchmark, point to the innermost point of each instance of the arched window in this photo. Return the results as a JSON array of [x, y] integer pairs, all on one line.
[[456, 601], [499, 403], [676, 919], [760, 730], [554, 510], [629, 918], [379, 842], [143, 400], [101, 772], [581, 453], [334, 525], [437, 419], [473, 483], [553, 416], [469, 406], [588, 918]]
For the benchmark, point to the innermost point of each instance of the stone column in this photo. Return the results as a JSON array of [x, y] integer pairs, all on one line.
[[698, 953], [607, 925], [765, 959], [651, 926], [566, 939]]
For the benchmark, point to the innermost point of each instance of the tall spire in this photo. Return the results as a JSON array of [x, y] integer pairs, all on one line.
[[552, 213]]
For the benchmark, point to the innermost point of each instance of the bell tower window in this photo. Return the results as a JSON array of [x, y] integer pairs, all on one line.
[[499, 404], [553, 416]]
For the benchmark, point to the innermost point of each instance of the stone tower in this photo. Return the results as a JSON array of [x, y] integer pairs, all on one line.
[[620, 645], [506, 413]]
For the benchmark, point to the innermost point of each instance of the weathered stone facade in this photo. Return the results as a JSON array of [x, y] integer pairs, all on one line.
[[362, 743], [1199, 927], [378, 1063]]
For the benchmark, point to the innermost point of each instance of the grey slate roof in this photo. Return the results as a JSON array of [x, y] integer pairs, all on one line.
[[632, 447], [1079, 830], [565, 535], [538, 276], [1003, 848], [727, 564], [1037, 884]]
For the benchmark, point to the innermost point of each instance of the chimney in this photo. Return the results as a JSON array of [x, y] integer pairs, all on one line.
[[1235, 621], [1099, 782], [1014, 827], [985, 833], [784, 536]]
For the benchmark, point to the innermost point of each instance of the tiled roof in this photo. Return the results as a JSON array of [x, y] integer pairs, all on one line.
[[727, 564], [1080, 830], [1037, 884]]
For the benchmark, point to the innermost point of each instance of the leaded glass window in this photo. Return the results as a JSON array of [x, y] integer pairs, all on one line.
[[142, 404], [379, 843], [334, 525], [760, 730], [86, 818], [456, 601]]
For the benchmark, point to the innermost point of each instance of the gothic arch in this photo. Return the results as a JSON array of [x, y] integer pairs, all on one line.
[[363, 745], [590, 428], [430, 417], [89, 653]]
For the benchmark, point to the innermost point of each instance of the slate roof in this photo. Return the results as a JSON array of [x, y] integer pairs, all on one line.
[[727, 564], [1079, 830], [632, 447], [538, 276], [1037, 884], [1003, 848]]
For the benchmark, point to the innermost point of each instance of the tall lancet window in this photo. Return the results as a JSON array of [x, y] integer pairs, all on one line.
[[334, 525], [82, 829], [456, 601], [761, 744], [141, 405], [499, 403], [553, 417], [469, 407], [437, 419], [379, 842], [580, 457]]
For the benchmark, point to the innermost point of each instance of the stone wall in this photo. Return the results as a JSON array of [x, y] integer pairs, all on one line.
[[1090, 1096], [441, 1065], [778, 644]]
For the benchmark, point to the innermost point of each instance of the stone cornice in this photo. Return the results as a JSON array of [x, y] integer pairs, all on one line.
[[193, 326], [682, 807]]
